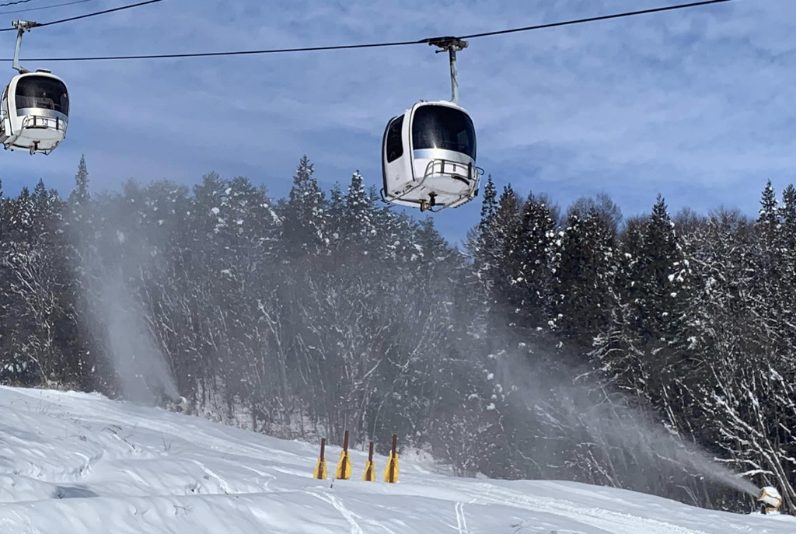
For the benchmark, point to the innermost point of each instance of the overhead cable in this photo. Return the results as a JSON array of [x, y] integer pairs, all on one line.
[[383, 44], [4, 4], [85, 15], [52, 6]]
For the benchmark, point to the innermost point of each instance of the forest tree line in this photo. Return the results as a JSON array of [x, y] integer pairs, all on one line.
[[549, 347]]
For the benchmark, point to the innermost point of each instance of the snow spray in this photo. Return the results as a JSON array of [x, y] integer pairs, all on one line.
[[647, 454], [133, 352], [111, 311]]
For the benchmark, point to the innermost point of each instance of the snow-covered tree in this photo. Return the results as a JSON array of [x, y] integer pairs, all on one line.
[[304, 216]]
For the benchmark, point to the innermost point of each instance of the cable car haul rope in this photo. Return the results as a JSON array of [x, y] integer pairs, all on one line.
[[84, 16], [429, 151]]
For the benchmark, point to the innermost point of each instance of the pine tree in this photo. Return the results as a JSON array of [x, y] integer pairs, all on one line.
[[78, 218], [21, 221], [502, 242], [489, 205], [80, 194], [660, 277], [336, 214], [768, 214], [304, 216], [41, 207], [642, 347], [531, 261], [767, 257], [586, 273], [358, 228]]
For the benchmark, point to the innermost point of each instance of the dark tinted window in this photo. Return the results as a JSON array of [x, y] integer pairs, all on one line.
[[443, 127], [394, 139], [42, 92]]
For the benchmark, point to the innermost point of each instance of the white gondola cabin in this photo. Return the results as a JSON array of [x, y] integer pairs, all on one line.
[[429, 151], [429, 157], [34, 112]]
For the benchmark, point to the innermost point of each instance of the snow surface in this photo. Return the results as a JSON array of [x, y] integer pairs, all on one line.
[[80, 463]]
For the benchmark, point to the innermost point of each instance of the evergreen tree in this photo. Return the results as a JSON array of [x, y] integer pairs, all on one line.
[[489, 204], [358, 226], [304, 216], [80, 194], [336, 214], [769, 266], [531, 261], [643, 344], [482, 242], [768, 215], [20, 218], [586, 274], [501, 230], [661, 272], [788, 214]]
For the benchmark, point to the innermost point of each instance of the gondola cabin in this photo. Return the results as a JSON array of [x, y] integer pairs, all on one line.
[[34, 112], [429, 157]]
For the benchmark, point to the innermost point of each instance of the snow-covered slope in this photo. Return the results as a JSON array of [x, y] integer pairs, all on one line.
[[78, 463]]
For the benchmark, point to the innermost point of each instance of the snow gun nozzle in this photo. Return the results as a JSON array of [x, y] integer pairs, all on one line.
[[769, 500], [179, 404]]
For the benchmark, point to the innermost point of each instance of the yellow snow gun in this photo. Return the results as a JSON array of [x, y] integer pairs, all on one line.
[[343, 467], [369, 470], [321, 470], [392, 471]]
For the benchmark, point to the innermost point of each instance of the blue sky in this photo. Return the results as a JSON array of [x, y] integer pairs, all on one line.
[[698, 105]]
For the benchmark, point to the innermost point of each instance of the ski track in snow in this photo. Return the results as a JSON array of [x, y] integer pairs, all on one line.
[[269, 476], [461, 520], [211, 474], [72, 462], [350, 517], [619, 523]]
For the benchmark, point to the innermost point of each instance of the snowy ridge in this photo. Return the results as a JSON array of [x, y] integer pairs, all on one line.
[[74, 462]]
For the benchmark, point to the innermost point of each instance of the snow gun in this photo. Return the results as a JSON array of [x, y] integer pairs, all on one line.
[[180, 405], [343, 467], [321, 470], [369, 470], [769, 500], [392, 471]]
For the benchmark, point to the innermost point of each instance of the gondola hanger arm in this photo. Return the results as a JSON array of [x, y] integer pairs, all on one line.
[[451, 45], [21, 26]]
